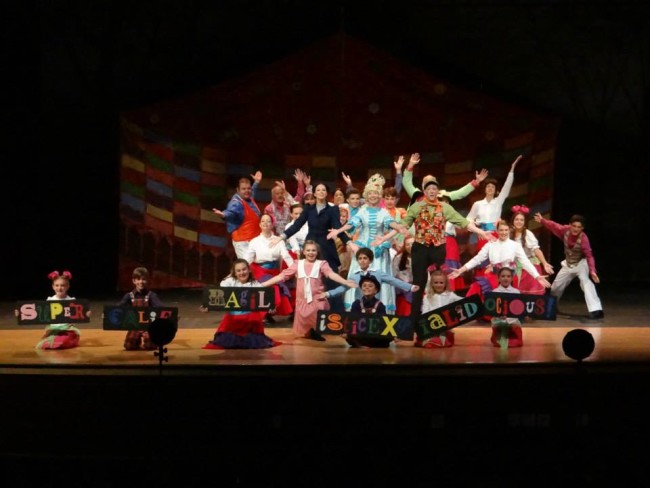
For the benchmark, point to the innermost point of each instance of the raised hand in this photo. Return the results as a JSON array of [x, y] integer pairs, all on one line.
[[482, 175], [398, 164], [538, 217], [299, 175], [257, 177], [346, 178], [519, 158], [306, 179], [415, 159]]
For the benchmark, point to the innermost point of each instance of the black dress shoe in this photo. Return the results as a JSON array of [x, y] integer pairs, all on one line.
[[596, 314], [315, 336]]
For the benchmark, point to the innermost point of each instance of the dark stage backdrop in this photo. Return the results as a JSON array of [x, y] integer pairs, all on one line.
[[338, 105]]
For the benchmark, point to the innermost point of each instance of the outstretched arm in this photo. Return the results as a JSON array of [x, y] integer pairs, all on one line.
[[335, 232], [339, 279], [546, 266], [471, 226], [279, 278]]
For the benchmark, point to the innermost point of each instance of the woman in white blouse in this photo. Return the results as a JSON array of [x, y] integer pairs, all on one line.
[[502, 252], [486, 213], [266, 262]]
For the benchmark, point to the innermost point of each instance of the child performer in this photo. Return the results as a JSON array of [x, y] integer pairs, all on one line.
[[140, 296], [353, 200], [295, 242], [579, 261], [368, 304], [364, 257], [401, 267], [59, 336], [506, 331], [345, 254], [310, 272], [242, 330], [438, 294]]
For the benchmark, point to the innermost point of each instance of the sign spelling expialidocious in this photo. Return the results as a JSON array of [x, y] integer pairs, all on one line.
[[136, 318], [429, 324], [435, 322], [238, 298], [519, 305], [42, 312]]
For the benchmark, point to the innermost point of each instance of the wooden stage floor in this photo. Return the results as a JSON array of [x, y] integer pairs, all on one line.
[[622, 339], [627, 347]]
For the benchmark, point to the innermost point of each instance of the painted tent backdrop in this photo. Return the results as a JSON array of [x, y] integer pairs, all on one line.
[[338, 105]]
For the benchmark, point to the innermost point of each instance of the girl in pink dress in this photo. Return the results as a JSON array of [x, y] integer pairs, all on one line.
[[310, 289]]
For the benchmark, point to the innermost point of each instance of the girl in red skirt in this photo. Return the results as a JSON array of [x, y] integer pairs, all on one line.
[[242, 330]]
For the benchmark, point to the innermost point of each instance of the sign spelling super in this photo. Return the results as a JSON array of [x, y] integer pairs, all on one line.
[[42, 312]]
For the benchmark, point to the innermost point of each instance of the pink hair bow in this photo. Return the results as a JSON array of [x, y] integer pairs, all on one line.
[[520, 208], [443, 267], [55, 274]]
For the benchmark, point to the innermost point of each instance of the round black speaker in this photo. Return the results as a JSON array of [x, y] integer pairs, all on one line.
[[578, 344]]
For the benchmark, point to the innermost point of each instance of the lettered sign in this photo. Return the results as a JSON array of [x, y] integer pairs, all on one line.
[[435, 322], [136, 318], [519, 305], [337, 323], [42, 312], [238, 299]]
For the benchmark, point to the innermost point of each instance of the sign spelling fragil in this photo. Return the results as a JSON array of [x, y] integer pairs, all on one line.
[[238, 298]]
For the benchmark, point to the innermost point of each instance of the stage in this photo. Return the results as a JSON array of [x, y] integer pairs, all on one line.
[[311, 413]]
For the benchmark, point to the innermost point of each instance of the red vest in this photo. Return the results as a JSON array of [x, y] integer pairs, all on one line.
[[250, 226]]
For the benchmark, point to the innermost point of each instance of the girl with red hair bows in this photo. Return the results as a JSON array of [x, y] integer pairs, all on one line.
[[521, 234]]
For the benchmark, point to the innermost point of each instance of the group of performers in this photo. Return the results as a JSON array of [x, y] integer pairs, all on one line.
[[358, 252]]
